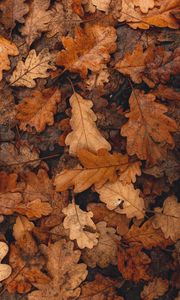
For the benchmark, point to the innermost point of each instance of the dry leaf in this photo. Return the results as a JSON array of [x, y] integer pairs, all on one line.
[[35, 66], [13, 10], [64, 270], [92, 5], [105, 252], [6, 48], [133, 264], [129, 174], [147, 236], [168, 218], [37, 20], [81, 227], [89, 49], [166, 92], [5, 270], [155, 289], [102, 288], [85, 133], [144, 5], [114, 194], [97, 81], [97, 170], [38, 110], [147, 127]]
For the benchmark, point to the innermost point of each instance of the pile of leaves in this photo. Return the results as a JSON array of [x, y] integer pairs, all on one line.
[[89, 140]]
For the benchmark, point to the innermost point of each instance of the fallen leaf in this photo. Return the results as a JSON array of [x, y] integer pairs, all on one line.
[[147, 236], [12, 11], [97, 170], [80, 225], [105, 252], [101, 288], [168, 218], [5, 270], [133, 264], [129, 174], [35, 66], [147, 127], [37, 20], [164, 92], [144, 6], [88, 50], [155, 289], [92, 5], [6, 48], [38, 110], [7, 108], [114, 194], [85, 133], [66, 273]]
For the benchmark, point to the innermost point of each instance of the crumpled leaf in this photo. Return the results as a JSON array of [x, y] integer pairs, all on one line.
[[97, 170], [168, 218], [160, 15], [147, 127], [81, 227], [97, 81], [133, 263], [35, 66], [147, 236], [92, 5], [6, 48], [155, 289], [64, 270], [37, 20], [102, 288], [88, 50], [105, 252], [114, 194], [85, 133], [5, 270], [13, 10], [38, 110]]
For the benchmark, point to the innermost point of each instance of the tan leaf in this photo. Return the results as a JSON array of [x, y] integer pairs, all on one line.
[[102, 288], [88, 50], [114, 194], [97, 170], [13, 10], [81, 227], [168, 218], [105, 252], [37, 20], [129, 174], [144, 5], [97, 80], [35, 66], [64, 270], [147, 127], [91, 5], [85, 133], [38, 110], [6, 48], [155, 289], [147, 236], [5, 270], [21, 226]]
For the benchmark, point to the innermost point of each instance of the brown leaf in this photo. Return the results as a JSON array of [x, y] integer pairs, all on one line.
[[88, 50], [38, 110], [97, 170], [5, 270], [163, 91], [155, 289], [147, 127]]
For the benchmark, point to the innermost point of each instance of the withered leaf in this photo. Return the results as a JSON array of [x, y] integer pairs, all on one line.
[[155, 289], [5, 270]]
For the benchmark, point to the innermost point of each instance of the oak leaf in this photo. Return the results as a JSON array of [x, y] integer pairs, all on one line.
[[35, 66], [89, 50], [12, 11], [98, 169], [128, 175], [155, 289], [163, 91], [144, 5], [37, 20], [5, 270], [147, 127], [168, 218], [85, 134], [80, 225], [133, 264], [38, 110], [64, 270], [105, 252], [114, 194], [6, 48], [101, 288], [92, 5], [147, 236]]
